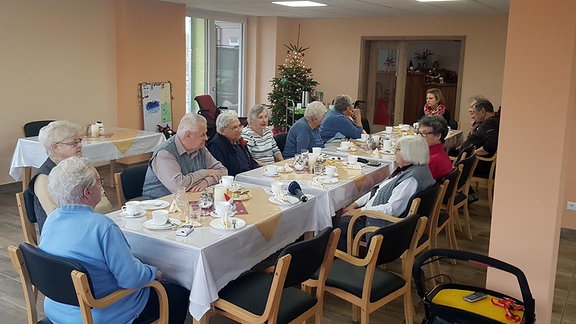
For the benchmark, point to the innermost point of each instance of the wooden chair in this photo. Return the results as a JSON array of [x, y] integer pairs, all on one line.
[[489, 181], [461, 196], [447, 214], [129, 183], [464, 152], [27, 216], [430, 204], [260, 297], [359, 280], [65, 281]]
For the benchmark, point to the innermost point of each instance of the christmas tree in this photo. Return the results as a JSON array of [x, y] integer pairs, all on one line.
[[293, 78]]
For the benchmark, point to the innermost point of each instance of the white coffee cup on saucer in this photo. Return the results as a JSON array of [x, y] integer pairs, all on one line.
[[227, 181], [330, 171], [131, 208], [387, 145], [388, 129], [345, 145], [352, 159], [276, 187], [271, 169], [317, 150], [221, 208], [405, 127], [219, 191], [160, 217]]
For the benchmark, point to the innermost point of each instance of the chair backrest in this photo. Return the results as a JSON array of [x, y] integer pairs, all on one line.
[[468, 168], [414, 207], [397, 238], [33, 128], [51, 274], [130, 182], [464, 152], [453, 177], [427, 200], [25, 202], [307, 256], [280, 139]]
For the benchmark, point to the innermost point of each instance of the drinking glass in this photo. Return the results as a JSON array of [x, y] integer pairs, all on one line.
[[205, 202]]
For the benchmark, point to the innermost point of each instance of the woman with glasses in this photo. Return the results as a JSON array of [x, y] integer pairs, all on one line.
[[61, 140], [434, 130], [261, 143], [393, 194], [229, 147]]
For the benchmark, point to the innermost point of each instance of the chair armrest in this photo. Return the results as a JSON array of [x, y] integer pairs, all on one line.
[[374, 246], [492, 158]]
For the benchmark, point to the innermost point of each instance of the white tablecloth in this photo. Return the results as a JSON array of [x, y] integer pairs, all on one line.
[[30, 153], [208, 259], [333, 196]]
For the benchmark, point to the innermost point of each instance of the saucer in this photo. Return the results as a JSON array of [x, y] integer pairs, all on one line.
[[149, 224], [289, 200], [334, 176], [138, 214], [352, 149], [154, 204], [213, 214], [266, 174], [217, 224]]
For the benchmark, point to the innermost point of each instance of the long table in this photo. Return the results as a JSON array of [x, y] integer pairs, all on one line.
[[208, 259], [120, 142], [353, 182]]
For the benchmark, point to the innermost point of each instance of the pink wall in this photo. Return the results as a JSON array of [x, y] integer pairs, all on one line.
[[538, 93], [150, 47]]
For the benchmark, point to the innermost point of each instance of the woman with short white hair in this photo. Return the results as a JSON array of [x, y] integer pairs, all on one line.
[[393, 194], [229, 147], [305, 133], [260, 139], [61, 140]]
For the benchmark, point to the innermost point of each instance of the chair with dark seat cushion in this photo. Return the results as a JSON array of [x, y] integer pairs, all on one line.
[[129, 183], [461, 195], [464, 152], [260, 297], [33, 128], [350, 274], [65, 281], [280, 139], [478, 178], [209, 110], [446, 216]]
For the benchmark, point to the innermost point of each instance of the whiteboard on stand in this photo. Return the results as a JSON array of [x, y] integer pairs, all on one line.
[[156, 102]]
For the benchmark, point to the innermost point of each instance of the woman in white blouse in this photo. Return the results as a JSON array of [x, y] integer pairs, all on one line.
[[260, 139]]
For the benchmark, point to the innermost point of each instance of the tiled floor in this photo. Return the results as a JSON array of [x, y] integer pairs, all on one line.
[[12, 308]]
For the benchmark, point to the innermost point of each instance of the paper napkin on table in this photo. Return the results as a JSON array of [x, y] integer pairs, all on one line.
[[174, 207]]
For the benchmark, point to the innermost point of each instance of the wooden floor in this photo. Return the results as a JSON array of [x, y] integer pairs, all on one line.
[[12, 307]]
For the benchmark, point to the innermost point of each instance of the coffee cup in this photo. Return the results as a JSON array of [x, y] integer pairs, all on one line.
[[221, 208], [330, 171], [227, 181], [317, 150], [405, 127], [387, 145], [276, 187], [352, 159], [388, 129], [415, 125], [131, 207], [160, 217], [271, 169], [219, 191], [345, 145]]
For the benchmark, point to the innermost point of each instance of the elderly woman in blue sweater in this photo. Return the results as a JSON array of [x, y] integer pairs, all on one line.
[[393, 194]]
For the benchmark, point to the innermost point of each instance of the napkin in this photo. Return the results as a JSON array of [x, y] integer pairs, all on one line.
[[280, 197], [318, 183], [174, 207]]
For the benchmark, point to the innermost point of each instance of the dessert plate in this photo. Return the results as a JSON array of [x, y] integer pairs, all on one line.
[[285, 200], [138, 214], [234, 224], [154, 204], [149, 224]]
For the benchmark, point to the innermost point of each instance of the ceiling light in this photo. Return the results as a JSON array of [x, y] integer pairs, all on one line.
[[436, 0], [299, 4]]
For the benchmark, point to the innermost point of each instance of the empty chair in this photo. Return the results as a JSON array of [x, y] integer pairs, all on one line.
[[129, 183], [65, 281], [260, 297], [280, 139], [359, 280], [33, 128], [25, 202]]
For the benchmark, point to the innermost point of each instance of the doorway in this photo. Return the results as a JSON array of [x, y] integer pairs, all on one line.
[[398, 72]]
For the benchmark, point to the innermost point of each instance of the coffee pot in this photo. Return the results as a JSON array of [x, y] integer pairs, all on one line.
[[305, 98]]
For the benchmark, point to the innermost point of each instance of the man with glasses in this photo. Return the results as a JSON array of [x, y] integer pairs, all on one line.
[[183, 161], [61, 140], [433, 129], [229, 147]]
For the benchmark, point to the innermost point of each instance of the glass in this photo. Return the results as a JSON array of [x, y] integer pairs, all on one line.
[[181, 199], [194, 212]]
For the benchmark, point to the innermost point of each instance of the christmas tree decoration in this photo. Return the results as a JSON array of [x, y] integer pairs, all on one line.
[[292, 79]]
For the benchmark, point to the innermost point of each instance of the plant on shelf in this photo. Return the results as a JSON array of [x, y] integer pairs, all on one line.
[[421, 58], [292, 78], [390, 62]]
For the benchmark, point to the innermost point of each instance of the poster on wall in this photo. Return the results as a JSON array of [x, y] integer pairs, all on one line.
[[156, 103]]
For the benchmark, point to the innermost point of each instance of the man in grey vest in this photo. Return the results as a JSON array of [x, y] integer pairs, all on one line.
[[393, 194], [183, 161]]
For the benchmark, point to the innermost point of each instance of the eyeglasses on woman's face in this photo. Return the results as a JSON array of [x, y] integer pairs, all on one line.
[[76, 143]]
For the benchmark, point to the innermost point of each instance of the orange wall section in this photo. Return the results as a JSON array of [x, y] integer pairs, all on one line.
[[538, 94], [150, 47]]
